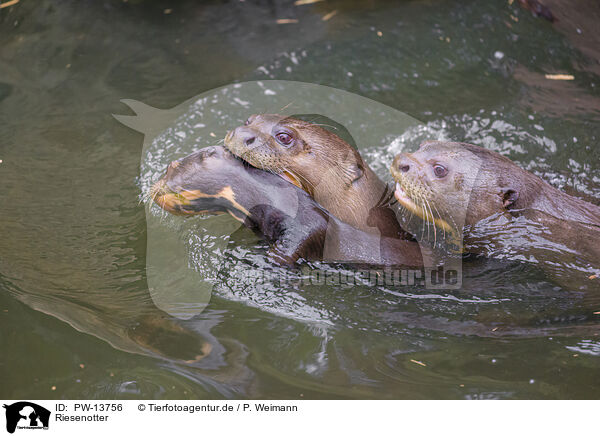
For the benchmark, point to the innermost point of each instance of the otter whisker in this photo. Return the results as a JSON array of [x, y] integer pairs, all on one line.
[[423, 221], [443, 227], [427, 218], [405, 211], [433, 222], [145, 198], [454, 229], [325, 125], [285, 107], [451, 218], [149, 194], [410, 214]]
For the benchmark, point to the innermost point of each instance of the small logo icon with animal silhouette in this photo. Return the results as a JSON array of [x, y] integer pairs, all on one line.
[[26, 415]]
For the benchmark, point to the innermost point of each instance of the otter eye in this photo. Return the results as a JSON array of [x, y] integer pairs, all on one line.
[[440, 171], [284, 138]]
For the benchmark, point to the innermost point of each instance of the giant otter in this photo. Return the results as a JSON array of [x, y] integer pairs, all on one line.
[[322, 164], [212, 180], [497, 206]]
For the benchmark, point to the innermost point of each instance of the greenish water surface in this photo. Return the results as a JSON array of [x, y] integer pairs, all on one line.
[[76, 316]]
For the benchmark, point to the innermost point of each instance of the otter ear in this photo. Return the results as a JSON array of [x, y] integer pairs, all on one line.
[[509, 197], [353, 166], [353, 172]]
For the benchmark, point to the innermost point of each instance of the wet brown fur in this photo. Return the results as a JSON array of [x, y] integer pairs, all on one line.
[[322, 164], [481, 184]]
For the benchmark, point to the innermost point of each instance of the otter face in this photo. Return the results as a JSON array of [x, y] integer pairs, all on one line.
[[200, 183], [303, 153], [278, 144], [436, 182], [267, 141]]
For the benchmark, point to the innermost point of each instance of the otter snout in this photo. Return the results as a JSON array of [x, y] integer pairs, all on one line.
[[167, 191], [172, 169], [181, 171], [405, 164], [402, 163], [198, 183], [167, 199], [241, 135]]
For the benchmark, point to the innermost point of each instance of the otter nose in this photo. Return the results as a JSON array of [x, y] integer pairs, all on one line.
[[245, 135], [402, 163], [172, 168]]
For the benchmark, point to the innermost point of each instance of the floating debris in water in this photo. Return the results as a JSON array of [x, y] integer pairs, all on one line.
[[286, 21], [10, 3], [559, 77], [417, 362], [328, 16], [306, 2]]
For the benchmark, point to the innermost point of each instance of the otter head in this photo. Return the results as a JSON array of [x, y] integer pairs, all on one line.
[[200, 184], [301, 152], [455, 184]]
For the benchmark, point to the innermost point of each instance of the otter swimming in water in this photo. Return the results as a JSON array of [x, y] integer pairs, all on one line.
[[212, 180], [322, 164], [498, 207]]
